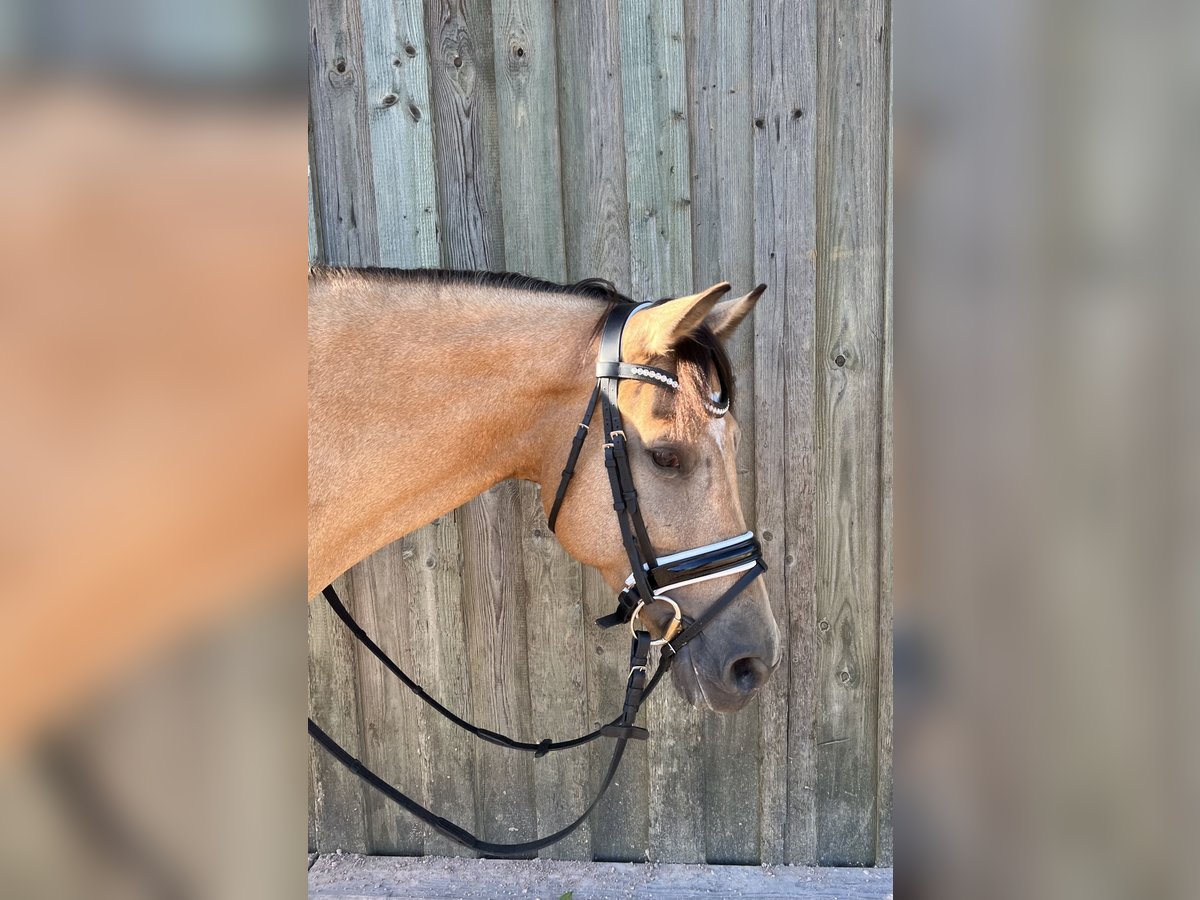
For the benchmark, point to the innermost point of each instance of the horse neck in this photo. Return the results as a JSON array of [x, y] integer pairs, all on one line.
[[424, 395]]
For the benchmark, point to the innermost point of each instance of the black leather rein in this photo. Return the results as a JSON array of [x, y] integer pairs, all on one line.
[[650, 576]]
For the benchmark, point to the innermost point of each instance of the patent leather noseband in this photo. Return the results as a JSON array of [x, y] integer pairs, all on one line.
[[650, 578]]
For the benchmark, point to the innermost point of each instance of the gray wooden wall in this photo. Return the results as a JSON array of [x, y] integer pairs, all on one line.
[[666, 146]]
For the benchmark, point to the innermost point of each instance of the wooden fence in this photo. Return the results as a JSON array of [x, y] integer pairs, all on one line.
[[666, 146]]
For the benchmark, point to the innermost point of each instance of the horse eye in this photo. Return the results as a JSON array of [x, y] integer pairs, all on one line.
[[665, 459]]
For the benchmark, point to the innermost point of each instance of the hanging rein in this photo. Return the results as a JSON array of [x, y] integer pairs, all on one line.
[[649, 579]]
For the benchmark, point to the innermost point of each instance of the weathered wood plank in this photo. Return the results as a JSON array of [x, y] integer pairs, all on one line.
[[654, 85], [390, 715], [314, 237], [530, 185], [596, 226], [341, 134], [396, 69], [592, 135], [883, 841], [396, 96], [719, 94], [495, 606], [337, 810], [461, 879], [654, 89], [851, 198], [494, 590], [463, 90], [433, 572], [785, 51], [527, 105]]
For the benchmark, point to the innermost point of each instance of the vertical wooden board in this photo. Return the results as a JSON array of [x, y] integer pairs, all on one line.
[[785, 86], [719, 94], [494, 612], [463, 91], [396, 69], [530, 185], [654, 87], [596, 227], [851, 198], [620, 825], [557, 679], [495, 593], [432, 558], [312, 800], [395, 66], [883, 840], [346, 207], [314, 237], [344, 221], [338, 813], [390, 714], [527, 108], [592, 129]]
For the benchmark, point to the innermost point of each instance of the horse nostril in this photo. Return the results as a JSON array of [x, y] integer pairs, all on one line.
[[748, 674]]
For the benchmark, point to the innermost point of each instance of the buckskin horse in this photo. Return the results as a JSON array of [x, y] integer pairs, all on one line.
[[426, 388]]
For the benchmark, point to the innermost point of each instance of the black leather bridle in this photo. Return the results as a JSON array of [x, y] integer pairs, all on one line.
[[651, 575]]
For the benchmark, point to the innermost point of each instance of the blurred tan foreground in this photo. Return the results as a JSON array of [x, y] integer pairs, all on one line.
[[152, 471], [1047, 589]]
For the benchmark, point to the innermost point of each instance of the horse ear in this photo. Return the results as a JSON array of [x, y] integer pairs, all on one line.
[[658, 329], [728, 314]]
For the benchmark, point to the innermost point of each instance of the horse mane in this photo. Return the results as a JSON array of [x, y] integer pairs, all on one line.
[[697, 358]]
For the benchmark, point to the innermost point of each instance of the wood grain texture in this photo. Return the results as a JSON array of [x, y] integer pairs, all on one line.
[[433, 571], [390, 715], [494, 590], [314, 236], [884, 838], [851, 199], [527, 104], [463, 90], [654, 86], [396, 70], [592, 137], [785, 86], [596, 225], [338, 811], [719, 96], [341, 134], [395, 76], [530, 185]]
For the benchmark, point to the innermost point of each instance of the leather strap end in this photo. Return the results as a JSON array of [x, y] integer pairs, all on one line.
[[616, 618], [629, 732]]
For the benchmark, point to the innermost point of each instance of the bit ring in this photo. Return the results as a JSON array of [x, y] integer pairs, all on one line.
[[672, 629]]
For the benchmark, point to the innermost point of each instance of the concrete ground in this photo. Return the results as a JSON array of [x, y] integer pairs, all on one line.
[[351, 877]]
